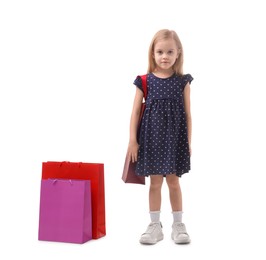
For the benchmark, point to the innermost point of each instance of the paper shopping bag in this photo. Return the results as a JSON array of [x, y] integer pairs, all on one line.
[[65, 211], [83, 171], [129, 175]]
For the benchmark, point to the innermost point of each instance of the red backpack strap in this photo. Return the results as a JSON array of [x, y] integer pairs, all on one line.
[[144, 85]]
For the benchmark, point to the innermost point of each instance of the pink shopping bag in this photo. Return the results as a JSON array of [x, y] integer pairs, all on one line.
[[83, 171], [65, 211]]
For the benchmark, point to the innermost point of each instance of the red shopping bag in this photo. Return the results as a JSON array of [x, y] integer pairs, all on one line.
[[83, 171], [65, 211]]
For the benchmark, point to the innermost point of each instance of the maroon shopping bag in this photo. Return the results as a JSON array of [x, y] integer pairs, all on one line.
[[83, 171], [129, 175], [65, 211]]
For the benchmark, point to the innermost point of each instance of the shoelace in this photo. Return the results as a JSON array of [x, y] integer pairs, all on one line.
[[151, 228], [180, 228]]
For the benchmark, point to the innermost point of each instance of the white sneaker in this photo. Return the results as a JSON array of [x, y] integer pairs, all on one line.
[[153, 234], [179, 233]]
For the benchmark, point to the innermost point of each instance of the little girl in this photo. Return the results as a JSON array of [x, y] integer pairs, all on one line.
[[163, 147]]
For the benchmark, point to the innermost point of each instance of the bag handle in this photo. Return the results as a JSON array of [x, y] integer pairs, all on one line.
[[144, 85], [63, 180]]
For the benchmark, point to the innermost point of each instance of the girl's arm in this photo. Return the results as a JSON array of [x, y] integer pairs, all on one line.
[[188, 113], [134, 121]]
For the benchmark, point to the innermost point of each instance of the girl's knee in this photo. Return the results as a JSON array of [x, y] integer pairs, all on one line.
[[172, 181], [156, 182]]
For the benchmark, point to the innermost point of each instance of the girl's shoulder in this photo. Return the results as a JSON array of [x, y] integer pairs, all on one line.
[[138, 79], [187, 77], [183, 79]]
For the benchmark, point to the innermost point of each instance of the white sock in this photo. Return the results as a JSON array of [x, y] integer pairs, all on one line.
[[177, 215], [155, 216]]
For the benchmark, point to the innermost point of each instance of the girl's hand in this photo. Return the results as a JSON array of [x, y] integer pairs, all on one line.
[[132, 151]]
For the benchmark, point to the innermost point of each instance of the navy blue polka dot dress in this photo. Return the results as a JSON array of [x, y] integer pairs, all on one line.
[[163, 138]]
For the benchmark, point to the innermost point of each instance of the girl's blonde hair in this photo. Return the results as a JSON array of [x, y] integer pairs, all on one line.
[[164, 35]]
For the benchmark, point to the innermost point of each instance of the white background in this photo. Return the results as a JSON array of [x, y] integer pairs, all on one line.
[[66, 76]]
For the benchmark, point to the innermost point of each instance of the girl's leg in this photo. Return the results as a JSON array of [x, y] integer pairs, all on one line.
[[179, 232], [156, 182], [154, 233], [174, 192]]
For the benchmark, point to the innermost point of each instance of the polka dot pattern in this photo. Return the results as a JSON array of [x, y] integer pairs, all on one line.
[[163, 136]]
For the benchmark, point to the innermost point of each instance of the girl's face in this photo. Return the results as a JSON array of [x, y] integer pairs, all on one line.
[[165, 54]]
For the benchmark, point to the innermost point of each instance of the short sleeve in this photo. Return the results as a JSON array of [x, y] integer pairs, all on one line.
[[187, 78], [138, 83]]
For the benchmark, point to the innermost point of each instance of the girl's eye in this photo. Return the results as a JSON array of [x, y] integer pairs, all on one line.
[[170, 52], [159, 52]]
